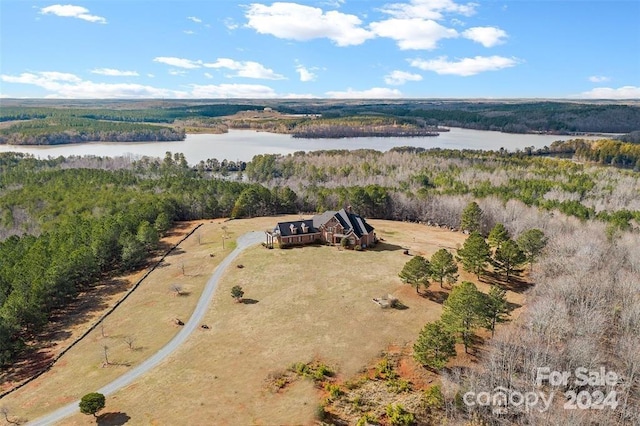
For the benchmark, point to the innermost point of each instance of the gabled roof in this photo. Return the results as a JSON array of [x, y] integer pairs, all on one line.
[[284, 228], [323, 218], [349, 221]]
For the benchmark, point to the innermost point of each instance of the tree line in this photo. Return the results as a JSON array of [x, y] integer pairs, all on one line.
[[63, 228], [55, 131], [400, 184]]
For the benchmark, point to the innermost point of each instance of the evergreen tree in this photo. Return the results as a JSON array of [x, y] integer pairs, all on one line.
[[532, 242], [495, 307], [416, 272], [474, 254], [498, 235], [443, 266], [471, 217], [508, 258], [463, 312], [435, 345], [237, 293], [91, 403]]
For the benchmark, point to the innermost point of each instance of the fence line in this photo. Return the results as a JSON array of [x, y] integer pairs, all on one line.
[[102, 317]]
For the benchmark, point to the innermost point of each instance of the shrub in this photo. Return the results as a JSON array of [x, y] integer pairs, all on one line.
[[367, 419], [398, 416], [384, 370], [322, 371], [433, 398], [398, 385], [334, 390], [91, 403], [358, 248]]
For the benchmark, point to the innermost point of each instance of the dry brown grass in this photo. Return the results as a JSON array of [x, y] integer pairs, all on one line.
[[312, 303]]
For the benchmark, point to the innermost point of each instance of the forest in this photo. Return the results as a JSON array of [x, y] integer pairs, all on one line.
[[47, 122], [66, 223]]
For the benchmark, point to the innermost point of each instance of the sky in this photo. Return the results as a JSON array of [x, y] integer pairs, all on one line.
[[584, 49]]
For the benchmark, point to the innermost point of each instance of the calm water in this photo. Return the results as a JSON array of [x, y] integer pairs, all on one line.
[[244, 144]]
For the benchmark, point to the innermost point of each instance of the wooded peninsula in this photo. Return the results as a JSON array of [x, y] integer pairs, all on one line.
[[52, 122]]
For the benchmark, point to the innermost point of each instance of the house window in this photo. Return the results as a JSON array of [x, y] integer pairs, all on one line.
[[299, 239]]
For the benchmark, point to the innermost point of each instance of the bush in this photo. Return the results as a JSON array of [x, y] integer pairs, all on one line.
[[316, 371], [433, 398], [384, 370], [358, 248], [398, 416], [399, 385], [334, 390], [322, 371], [91, 403], [367, 419]]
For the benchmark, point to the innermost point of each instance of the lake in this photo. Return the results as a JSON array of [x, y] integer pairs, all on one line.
[[244, 144]]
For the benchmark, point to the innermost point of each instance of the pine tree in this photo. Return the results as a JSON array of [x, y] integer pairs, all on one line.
[[471, 217], [435, 345], [463, 312], [416, 272], [443, 266], [532, 242], [498, 235], [509, 258], [474, 254], [495, 307]]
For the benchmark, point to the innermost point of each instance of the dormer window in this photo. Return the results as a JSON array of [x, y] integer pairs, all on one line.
[[293, 229], [305, 228]]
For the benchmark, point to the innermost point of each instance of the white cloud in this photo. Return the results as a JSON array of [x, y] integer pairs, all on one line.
[[293, 21], [177, 72], [466, 66], [233, 91], [624, 92], [428, 9], [64, 85], [457, 22], [305, 73], [299, 96], [397, 78], [189, 32], [247, 69], [598, 79], [71, 11], [333, 3], [194, 19], [178, 62], [49, 80], [373, 93], [114, 72], [486, 36], [230, 24], [413, 33], [151, 75], [208, 75]]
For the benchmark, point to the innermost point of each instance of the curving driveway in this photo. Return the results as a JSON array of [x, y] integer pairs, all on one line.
[[243, 242]]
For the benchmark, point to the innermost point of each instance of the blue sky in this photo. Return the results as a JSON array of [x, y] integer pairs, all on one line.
[[320, 49]]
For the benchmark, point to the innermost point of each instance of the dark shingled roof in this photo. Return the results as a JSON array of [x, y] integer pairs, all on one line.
[[321, 219], [350, 221], [284, 228]]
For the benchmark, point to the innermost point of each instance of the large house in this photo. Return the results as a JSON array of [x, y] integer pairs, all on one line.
[[328, 227]]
